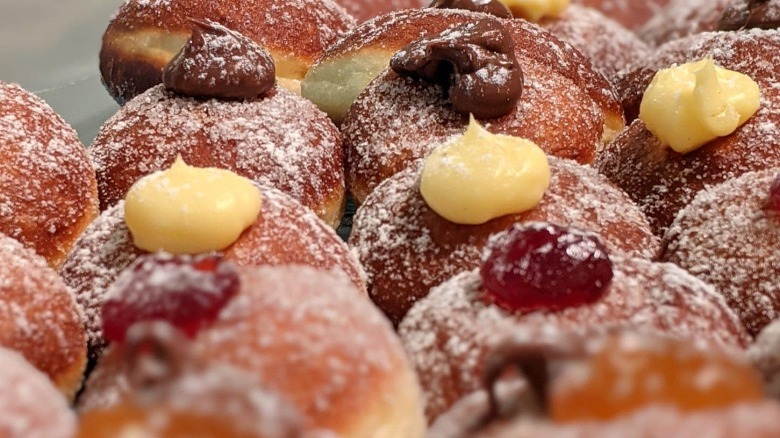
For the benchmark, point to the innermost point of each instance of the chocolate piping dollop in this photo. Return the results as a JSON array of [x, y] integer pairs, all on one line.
[[492, 7], [750, 14], [217, 62], [474, 62]]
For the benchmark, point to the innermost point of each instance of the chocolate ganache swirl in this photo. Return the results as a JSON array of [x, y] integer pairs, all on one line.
[[751, 14], [220, 63], [474, 62]]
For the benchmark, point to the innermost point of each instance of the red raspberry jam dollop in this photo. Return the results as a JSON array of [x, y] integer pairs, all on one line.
[[543, 266], [186, 291]]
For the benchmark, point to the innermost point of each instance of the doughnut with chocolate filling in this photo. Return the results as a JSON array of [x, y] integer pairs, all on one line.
[[682, 18], [48, 192], [564, 105], [143, 36], [219, 107]]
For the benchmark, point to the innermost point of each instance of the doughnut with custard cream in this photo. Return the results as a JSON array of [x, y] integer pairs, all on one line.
[[39, 317], [284, 232], [145, 34], [661, 180], [48, 192], [406, 247]]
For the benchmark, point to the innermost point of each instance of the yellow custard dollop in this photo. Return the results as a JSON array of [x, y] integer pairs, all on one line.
[[190, 210], [480, 176], [535, 10], [689, 105]]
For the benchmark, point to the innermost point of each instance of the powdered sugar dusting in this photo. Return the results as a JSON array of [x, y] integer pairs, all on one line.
[[31, 406], [681, 18], [38, 314], [406, 248], [449, 333], [281, 140], [563, 108], [609, 46], [662, 181], [745, 420], [310, 323], [47, 183], [285, 232], [728, 236]]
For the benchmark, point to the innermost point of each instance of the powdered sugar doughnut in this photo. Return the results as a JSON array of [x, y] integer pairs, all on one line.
[[284, 233], [682, 18], [630, 13], [31, 406], [449, 333], [145, 34], [608, 45], [48, 193], [566, 107], [663, 181], [309, 336], [281, 140], [406, 248], [729, 236], [39, 317], [347, 67]]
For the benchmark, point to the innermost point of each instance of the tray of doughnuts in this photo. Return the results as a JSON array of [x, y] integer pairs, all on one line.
[[389, 218]]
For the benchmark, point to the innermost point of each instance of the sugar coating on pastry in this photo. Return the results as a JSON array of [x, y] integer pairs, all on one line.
[[566, 107], [349, 65], [681, 18], [448, 333], [661, 181], [39, 317], [730, 238], [281, 140], [406, 248], [310, 336], [31, 406], [47, 187], [610, 47], [364, 10], [284, 232], [144, 35]]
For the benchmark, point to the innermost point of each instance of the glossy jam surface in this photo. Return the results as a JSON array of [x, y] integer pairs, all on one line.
[[186, 291], [545, 267], [631, 371]]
